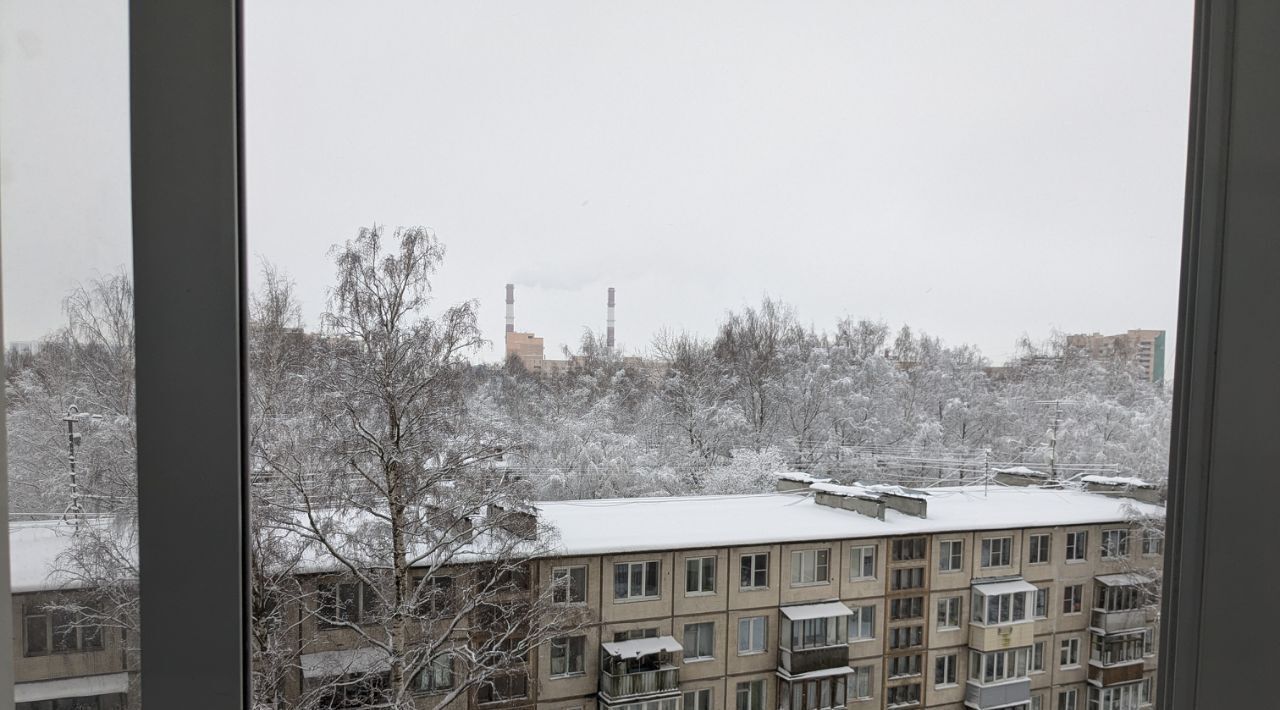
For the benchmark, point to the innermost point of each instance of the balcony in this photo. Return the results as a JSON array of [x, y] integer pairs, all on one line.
[[1107, 676], [996, 638], [1001, 695], [1110, 622], [629, 685], [813, 659]]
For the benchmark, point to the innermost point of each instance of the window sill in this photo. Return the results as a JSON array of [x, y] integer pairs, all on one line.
[[699, 659], [753, 589], [795, 585], [863, 579], [562, 676], [942, 629], [761, 652], [711, 593], [1076, 667], [946, 686], [853, 642], [633, 600]]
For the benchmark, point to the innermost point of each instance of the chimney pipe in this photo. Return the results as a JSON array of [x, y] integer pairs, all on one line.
[[609, 323], [511, 308]]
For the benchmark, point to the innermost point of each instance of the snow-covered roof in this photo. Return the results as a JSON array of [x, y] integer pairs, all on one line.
[[618, 525], [635, 648], [78, 687], [327, 664], [1008, 586], [1125, 579], [801, 477], [836, 489], [1021, 471], [896, 491], [34, 547], [821, 673], [1117, 481], [823, 610]]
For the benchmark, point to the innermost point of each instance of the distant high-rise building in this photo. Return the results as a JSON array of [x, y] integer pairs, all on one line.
[[1145, 348]]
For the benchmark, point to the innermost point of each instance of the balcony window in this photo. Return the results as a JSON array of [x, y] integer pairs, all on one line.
[[699, 641], [57, 631], [1005, 608], [809, 567], [632, 634], [700, 575], [949, 613], [900, 666], [997, 552], [752, 633], [817, 694], [1119, 598], [570, 585], [1077, 546], [908, 548], [944, 670], [998, 666], [1110, 650], [900, 695], [1038, 546], [951, 555], [908, 578], [817, 633], [906, 608], [906, 637], [755, 571], [1130, 696], [568, 654], [862, 563], [636, 580]]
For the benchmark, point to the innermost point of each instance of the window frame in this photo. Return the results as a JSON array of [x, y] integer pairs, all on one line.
[[756, 570], [947, 554], [1046, 548], [699, 627], [958, 621], [701, 562], [567, 643], [185, 77], [644, 581], [750, 623], [857, 561], [568, 571], [798, 572]]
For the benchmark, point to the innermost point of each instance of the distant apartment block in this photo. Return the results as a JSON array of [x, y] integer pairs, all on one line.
[[817, 597], [1145, 348]]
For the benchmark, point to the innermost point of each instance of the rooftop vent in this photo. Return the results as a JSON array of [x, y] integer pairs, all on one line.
[[872, 500], [796, 481], [1020, 476], [1123, 487]]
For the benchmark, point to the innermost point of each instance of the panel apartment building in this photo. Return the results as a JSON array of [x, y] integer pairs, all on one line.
[[816, 597]]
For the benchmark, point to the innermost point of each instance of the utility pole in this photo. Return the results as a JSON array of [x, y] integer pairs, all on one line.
[[73, 510], [1053, 432]]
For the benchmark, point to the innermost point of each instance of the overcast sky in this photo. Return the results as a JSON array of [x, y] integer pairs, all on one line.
[[978, 170]]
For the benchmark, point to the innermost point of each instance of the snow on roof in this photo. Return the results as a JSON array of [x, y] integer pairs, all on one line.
[[801, 477], [896, 490], [1008, 586], [822, 673], [635, 648], [1117, 481], [1126, 579], [34, 547], [846, 491], [618, 525], [327, 664], [1021, 471], [823, 610], [78, 687]]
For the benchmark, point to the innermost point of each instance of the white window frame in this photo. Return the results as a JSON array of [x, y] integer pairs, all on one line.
[[863, 676], [750, 695], [643, 566], [948, 559], [567, 643], [949, 618], [756, 569], [988, 559], [702, 577], [1073, 592], [821, 560], [1069, 653], [1076, 546], [857, 619], [1068, 699], [1035, 663], [1115, 544], [757, 635], [951, 662], [858, 557], [701, 699], [1033, 548], [566, 573], [702, 630], [1036, 606]]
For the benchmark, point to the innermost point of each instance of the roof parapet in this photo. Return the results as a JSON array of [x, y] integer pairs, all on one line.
[[1019, 476], [796, 481], [872, 500], [1122, 487]]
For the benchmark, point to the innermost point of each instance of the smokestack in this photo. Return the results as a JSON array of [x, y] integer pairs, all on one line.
[[511, 308], [609, 331]]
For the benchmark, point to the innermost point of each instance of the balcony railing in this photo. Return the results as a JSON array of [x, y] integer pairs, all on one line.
[[814, 659], [1112, 621], [997, 696], [1107, 676], [622, 685]]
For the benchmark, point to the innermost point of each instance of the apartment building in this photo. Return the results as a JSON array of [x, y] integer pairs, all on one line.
[[813, 598], [1145, 348]]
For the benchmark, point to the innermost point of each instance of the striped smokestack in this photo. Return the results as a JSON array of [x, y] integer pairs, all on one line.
[[511, 308], [609, 330]]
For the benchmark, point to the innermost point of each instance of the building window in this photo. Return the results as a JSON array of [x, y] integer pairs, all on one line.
[[700, 575], [1115, 543], [752, 632], [809, 567], [56, 631], [1078, 545], [567, 655], [949, 613], [699, 641], [1152, 542], [1037, 657], [507, 686], [1039, 545], [951, 556], [1067, 700], [1072, 594], [1037, 702], [997, 552], [636, 580], [999, 608], [1148, 642], [633, 634], [862, 623], [860, 683], [908, 548], [944, 670], [751, 695], [436, 676], [998, 666], [862, 563], [908, 578], [346, 602], [906, 637], [1121, 697], [900, 666], [1041, 608], [755, 571], [437, 595], [906, 608], [817, 633], [818, 694], [570, 585], [698, 699], [1070, 655], [903, 695]]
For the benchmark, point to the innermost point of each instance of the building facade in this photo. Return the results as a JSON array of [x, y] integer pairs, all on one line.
[[1144, 348]]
